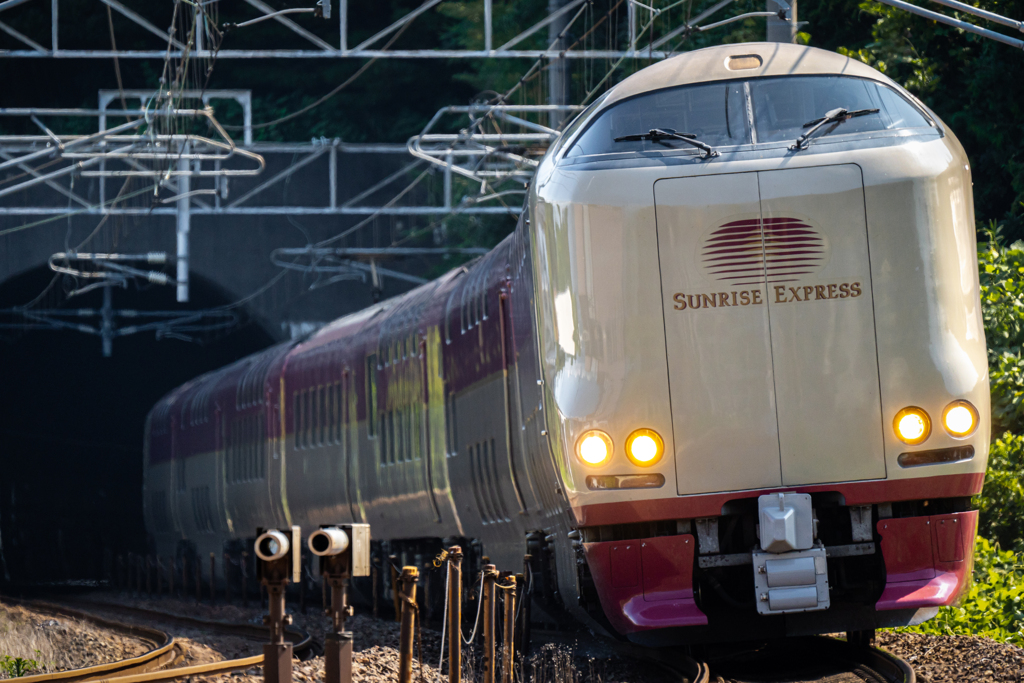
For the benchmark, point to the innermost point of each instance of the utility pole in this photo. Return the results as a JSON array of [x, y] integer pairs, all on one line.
[[777, 30], [559, 77]]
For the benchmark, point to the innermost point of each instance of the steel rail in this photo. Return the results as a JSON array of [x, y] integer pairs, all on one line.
[[301, 640]]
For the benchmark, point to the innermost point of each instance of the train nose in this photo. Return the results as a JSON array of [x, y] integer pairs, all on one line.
[[766, 286]]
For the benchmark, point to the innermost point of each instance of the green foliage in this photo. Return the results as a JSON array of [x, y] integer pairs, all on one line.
[[16, 667], [966, 79], [992, 606], [1002, 501], [1001, 270]]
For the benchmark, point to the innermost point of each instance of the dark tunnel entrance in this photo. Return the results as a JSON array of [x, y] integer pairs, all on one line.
[[71, 429]]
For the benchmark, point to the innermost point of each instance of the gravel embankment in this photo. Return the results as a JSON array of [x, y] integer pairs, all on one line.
[[60, 643], [376, 646], [959, 659]]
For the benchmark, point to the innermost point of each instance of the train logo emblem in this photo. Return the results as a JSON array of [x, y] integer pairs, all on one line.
[[745, 252]]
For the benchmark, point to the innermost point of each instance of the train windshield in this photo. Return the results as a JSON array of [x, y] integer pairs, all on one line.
[[783, 106], [716, 113], [713, 112]]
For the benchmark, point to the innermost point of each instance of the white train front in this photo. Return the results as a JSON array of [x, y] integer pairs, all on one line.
[[727, 378]]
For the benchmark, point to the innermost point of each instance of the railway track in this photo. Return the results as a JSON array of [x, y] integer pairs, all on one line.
[[159, 663], [794, 660], [814, 659]]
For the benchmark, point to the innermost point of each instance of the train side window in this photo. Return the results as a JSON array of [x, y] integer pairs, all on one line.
[[448, 318], [474, 470], [417, 427], [312, 408], [455, 425], [390, 437], [261, 469], [371, 395], [323, 412], [462, 309], [401, 436], [251, 451], [328, 414], [335, 413], [295, 418], [497, 488], [306, 418]]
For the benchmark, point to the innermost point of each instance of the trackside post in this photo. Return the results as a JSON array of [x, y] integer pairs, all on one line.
[[508, 634], [490, 579], [280, 555], [407, 581], [344, 552], [454, 614]]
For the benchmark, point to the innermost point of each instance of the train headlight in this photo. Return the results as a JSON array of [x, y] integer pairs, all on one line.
[[960, 419], [594, 447], [912, 425], [644, 447]]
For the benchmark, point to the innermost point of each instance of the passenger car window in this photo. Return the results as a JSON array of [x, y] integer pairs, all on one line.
[[783, 105], [714, 112]]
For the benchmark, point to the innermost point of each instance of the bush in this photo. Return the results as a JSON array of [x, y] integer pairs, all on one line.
[[16, 667], [993, 604], [1002, 500]]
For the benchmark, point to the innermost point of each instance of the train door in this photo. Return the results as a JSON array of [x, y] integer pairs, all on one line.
[[717, 333], [822, 325], [513, 436]]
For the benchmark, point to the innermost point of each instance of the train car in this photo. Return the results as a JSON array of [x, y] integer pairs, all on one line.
[[726, 379]]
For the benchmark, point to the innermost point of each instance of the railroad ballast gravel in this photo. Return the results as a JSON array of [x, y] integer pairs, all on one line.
[[936, 659], [957, 659]]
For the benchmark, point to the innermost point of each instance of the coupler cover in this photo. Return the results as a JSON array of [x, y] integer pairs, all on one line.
[[791, 582]]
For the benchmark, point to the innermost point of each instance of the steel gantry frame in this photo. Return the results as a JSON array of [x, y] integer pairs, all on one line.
[[340, 48], [151, 145]]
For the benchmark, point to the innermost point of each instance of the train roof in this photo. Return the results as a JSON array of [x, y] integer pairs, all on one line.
[[713, 64]]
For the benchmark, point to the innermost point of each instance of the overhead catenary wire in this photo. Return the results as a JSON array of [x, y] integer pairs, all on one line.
[[347, 82]]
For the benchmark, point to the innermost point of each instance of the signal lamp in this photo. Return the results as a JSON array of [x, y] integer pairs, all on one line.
[[644, 447], [912, 425], [594, 447], [272, 545], [960, 419]]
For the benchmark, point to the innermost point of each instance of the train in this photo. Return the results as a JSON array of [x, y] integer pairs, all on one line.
[[726, 379]]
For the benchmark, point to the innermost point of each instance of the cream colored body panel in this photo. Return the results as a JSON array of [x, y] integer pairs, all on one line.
[[602, 328], [823, 330], [719, 359]]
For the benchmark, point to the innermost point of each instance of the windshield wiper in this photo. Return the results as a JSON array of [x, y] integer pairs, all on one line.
[[657, 134], [835, 116]]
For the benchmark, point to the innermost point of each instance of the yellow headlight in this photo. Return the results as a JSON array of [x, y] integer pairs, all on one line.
[[594, 447], [912, 425], [644, 447], [960, 419]]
